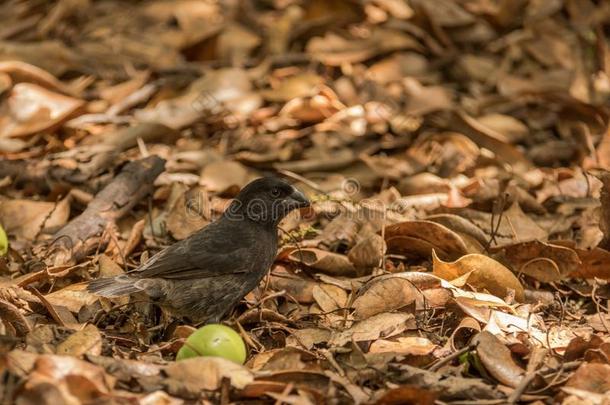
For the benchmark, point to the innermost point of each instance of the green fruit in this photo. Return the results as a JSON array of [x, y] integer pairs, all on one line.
[[3, 242], [214, 340]]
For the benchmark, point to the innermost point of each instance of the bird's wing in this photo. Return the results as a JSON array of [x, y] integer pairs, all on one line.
[[208, 253]]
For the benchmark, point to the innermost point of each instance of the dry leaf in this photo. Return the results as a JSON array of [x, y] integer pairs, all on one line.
[[205, 373], [85, 341], [419, 238], [27, 219], [542, 261], [383, 325], [324, 261], [413, 346], [497, 359], [30, 108], [334, 50], [482, 273], [368, 252], [372, 298]]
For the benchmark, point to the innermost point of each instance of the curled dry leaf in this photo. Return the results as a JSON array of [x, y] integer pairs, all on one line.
[[481, 272], [324, 261], [542, 261], [30, 108], [469, 232], [487, 138], [378, 326], [24, 72], [463, 332], [420, 238], [26, 218], [497, 359]]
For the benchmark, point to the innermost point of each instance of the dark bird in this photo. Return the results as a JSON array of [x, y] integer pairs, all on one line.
[[204, 276]]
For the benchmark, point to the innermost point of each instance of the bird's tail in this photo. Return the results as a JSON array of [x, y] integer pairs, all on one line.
[[113, 286]]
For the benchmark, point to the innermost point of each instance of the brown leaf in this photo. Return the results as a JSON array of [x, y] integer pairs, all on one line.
[[593, 377], [426, 99], [542, 261], [75, 379], [308, 337], [481, 272], [26, 218], [225, 176], [410, 345], [497, 359], [408, 394], [30, 109], [330, 298], [190, 212], [378, 326], [221, 91], [372, 299], [594, 261], [334, 50], [85, 341], [297, 287], [73, 297], [515, 226], [470, 233], [463, 333], [205, 373], [324, 261], [418, 238], [507, 128], [302, 85], [368, 252], [24, 72]]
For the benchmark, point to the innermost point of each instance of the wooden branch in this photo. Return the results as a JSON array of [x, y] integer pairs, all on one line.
[[91, 160], [82, 235]]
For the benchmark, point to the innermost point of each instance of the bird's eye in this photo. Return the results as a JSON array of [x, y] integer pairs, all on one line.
[[275, 192]]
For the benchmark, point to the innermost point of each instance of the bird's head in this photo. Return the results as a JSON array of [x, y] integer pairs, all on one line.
[[266, 200]]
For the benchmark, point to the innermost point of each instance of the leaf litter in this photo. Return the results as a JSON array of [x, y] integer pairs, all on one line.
[[456, 153]]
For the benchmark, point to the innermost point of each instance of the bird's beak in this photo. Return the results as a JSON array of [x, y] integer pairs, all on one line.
[[297, 199]]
